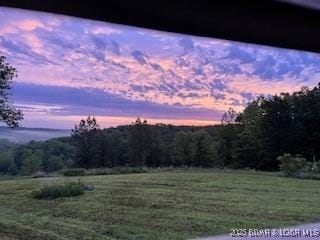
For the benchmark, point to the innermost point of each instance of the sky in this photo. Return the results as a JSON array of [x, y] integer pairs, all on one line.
[[69, 68]]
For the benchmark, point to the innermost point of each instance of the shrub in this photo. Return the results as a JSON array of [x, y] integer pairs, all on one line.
[[292, 166], [74, 172], [59, 190]]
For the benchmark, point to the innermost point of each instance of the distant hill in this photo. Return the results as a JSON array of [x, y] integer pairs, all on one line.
[[24, 135]]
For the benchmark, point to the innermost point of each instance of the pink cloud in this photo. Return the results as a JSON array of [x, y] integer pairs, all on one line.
[[28, 24]]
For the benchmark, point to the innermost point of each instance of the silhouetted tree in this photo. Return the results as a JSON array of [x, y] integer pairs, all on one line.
[[205, 152], [184, 151], [144, 144], [8, 114], [248, 149], [111, 148], [32, 162], [195, 149], [154, 147], [83, 137], [137, 142]]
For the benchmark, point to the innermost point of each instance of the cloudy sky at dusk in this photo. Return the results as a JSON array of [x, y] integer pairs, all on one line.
[[70, 68]]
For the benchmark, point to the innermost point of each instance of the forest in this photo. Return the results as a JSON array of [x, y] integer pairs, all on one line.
[[269, 126]]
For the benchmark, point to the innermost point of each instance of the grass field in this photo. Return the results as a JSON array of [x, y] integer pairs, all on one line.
[[158, 206]]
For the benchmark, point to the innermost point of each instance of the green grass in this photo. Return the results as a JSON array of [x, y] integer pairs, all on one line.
[[163, 205]]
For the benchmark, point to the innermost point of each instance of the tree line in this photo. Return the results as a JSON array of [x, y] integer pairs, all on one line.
[[135, 145], [267, 128]]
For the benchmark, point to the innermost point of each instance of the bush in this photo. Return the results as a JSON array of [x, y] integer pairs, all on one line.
[[62, 190], [71, 172], [292, 166]]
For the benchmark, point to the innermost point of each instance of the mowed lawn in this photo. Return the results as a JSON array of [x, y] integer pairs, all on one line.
[[163, 205]]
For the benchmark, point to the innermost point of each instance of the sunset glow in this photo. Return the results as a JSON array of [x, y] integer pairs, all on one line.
[[70, 68]]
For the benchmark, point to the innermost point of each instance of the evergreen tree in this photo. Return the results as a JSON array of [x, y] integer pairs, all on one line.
[[83, 138]]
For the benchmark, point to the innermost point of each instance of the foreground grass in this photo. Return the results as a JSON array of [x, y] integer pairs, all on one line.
[[158, 206]]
